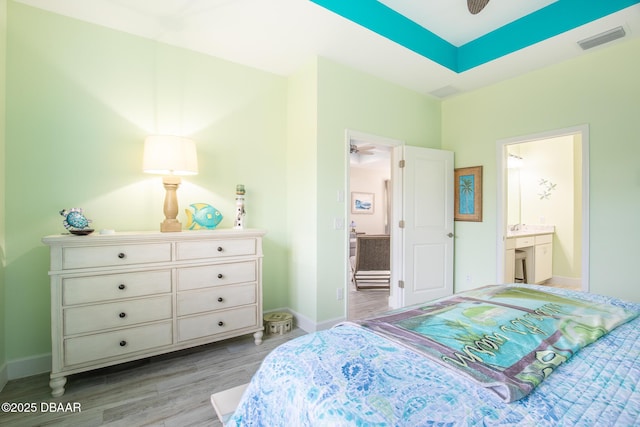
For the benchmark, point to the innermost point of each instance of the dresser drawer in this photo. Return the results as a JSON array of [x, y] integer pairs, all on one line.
[[80, 290], [216, 275], [113, 255], [90, 318], [215, 248], [116, 343], [220, 297], [219, 322]]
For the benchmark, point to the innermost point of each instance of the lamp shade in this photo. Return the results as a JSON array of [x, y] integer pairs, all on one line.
[[170, 155]]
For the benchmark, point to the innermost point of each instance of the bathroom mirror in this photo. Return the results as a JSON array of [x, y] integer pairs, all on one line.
[[514, 163]]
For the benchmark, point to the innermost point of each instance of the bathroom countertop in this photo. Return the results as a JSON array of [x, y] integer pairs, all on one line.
[[530, 230]]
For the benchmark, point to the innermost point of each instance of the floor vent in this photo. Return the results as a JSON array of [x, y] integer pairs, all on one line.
[[602, 38]]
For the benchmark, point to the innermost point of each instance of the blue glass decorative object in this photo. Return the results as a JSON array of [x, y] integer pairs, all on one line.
[[75, 221]]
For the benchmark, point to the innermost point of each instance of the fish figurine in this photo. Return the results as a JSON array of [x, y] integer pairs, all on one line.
[[74, 219], [202, 216]]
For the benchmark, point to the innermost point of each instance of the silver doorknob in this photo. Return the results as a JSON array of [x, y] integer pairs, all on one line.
[[450, 235]]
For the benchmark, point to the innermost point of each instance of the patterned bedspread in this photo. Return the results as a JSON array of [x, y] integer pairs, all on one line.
[[350, 376]]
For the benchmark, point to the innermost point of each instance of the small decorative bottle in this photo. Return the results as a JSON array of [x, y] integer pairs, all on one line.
[[240, 212]]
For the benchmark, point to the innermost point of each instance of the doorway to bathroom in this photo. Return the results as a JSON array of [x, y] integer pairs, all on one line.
[[543, 185]]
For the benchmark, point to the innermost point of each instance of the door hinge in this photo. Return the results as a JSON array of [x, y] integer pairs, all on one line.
[[401, 284], [401, 223], [401, 163]]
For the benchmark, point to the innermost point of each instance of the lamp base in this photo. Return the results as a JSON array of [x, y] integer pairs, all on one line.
[[170, 225]]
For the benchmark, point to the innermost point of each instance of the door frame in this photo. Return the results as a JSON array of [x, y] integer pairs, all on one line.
[[396, 189], [501, 223]]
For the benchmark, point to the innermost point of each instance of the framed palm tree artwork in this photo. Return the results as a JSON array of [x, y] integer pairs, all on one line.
[[468, 194]]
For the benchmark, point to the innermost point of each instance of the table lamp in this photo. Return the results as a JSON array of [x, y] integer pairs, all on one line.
[[171, 156]]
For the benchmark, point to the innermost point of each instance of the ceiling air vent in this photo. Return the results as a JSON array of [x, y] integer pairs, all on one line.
[[445, 91], [602, 38]]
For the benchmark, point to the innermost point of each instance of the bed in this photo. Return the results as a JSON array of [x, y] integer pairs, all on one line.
[[359, 374]]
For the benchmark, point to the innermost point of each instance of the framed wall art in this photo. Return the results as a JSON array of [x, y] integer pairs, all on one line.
[[468, 194], [362, 203]]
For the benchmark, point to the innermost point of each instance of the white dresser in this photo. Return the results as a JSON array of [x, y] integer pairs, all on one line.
[[126, 296]]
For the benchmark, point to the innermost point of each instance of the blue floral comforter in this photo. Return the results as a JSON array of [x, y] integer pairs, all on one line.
[[507, 339], [350, 376]]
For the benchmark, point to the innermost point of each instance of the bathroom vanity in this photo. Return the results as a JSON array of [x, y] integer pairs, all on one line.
[[534, 244]]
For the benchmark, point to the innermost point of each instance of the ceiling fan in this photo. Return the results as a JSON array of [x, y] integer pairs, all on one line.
[[476, 6], [363, 149]]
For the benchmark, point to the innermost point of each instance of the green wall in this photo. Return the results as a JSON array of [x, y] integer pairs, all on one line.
[[80, 101], [3, 39], [600, 89], [301, 205]]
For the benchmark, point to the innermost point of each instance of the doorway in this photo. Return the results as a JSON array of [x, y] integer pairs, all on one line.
[[369, 174], [548, 187], [420, 221]]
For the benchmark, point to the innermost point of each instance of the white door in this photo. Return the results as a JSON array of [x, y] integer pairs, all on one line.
[[426, 239]]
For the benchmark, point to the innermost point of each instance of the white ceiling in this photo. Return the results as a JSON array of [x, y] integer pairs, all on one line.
[[281, 35]]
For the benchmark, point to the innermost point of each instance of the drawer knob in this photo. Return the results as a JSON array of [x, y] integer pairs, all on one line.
[[220, 299], [123, 343], [121, 286], [122, 315], [121, 255], [220, 249], [221, 323], [220, 276]]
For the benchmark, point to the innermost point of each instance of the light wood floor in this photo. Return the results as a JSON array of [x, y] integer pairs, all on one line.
[[168, 390], [366, 302]]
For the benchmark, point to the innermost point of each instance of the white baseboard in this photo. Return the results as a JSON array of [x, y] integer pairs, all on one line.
[[330, 323], [28, 366], [4, 377]]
